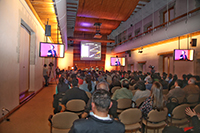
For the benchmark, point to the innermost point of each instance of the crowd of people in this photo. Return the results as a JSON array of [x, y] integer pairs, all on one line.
[[74, 85]]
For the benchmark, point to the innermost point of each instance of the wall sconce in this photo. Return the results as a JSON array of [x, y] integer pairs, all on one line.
[[140, 50]]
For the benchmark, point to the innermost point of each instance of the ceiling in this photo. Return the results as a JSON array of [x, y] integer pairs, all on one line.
[[83, 14]]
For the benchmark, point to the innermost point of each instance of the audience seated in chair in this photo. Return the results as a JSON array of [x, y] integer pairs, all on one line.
[[154, 101], [100, 121], [191, 88], [124, 92], [112, 111], [141, 91], [74, 93], [195, 124], [177, 92]]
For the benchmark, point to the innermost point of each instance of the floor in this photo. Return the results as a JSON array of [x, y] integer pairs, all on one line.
[[32, 117]]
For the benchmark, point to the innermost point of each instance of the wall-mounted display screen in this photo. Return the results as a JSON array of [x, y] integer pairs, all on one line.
[[51, 50], [117, 61], [183, 54], [90, 51]]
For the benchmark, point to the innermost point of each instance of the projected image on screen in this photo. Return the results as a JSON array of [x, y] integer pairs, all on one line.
[[183, 54], [90, 51], [51, 50], [114, 61]]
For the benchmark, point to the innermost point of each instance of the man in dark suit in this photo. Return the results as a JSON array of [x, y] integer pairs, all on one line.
[[183, 56], [112, 111], [51, 52], [74, 93], [100, 121], [117, 62]]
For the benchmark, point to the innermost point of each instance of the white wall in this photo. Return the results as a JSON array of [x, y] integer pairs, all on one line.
[[12, 12], [150, 55]]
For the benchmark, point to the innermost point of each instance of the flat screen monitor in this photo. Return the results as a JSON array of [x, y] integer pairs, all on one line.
[[183, 54], [117, 61], [90, 51], [52, 50]]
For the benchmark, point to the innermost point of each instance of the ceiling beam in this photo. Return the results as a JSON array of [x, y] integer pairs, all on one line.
[[90, 39]]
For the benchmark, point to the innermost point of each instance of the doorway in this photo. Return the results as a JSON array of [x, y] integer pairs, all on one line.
[[24, 62]]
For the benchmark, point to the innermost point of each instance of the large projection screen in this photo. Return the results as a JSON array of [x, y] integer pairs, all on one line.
[[90, 51]]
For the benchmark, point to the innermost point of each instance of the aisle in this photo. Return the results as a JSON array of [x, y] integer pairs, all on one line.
[[32, 117]]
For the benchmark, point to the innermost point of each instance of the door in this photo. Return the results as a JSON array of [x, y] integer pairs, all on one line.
[[24, 60]]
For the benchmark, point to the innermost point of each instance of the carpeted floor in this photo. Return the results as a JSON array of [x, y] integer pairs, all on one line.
[[32, 117]]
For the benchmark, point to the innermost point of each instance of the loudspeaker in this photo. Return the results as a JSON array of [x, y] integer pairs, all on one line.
[[193, 42], [47, 30], [128, 52]]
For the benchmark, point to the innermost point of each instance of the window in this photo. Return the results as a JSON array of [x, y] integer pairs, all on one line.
[[137, 31], [167, 16]]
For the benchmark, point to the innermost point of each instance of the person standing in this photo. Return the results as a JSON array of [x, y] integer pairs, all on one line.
[[45, 74]]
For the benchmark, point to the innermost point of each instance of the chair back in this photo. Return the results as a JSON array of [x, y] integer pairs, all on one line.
[[130, 116], [124, 103], [192, 98], [179, 111], [165, 91], [64, 120], [133, 91], [115, 88], [75, 105], [139, 101], [88, 94], [157, 116], [181, 99], [197, 108], [131, 87]]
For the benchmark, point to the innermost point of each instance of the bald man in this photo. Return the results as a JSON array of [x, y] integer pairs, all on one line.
[[191, 88]]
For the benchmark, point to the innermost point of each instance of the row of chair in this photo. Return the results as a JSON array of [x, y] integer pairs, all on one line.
[[132, 118]]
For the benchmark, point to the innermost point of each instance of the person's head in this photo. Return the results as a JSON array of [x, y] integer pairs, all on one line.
[[126, 75], [140, 85], [125, 84], [61, 79], [149, 80], [52, 47], [45, 65], [178, 83], [184, 76], [88, 81], [74, 82], [192, 80], [157, 95], [183, 52], [101, 101], [103, 85]]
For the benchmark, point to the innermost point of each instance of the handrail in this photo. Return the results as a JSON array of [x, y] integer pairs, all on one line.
[[161, 25]]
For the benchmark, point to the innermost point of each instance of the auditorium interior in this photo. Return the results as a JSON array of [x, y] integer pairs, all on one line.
[[142, 32]]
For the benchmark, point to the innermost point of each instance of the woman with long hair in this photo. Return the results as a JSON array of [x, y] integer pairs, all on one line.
[[88, 84], [154, 101], [61, 86]]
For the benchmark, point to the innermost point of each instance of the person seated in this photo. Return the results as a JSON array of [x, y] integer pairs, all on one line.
[[154, 101], [141, 91], [99, 121], [148, 83], [73, 93], [124, 92], [177, 91], [195, 124], [88, 84], [112, 111], [61, 87], [191, 88]]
